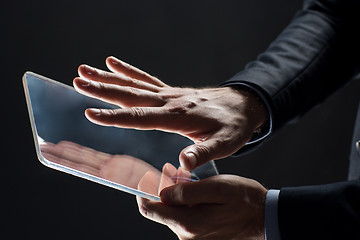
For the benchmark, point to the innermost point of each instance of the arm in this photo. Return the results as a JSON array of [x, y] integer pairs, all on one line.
[[218, 120], [320, 212], [315, 55], [312, 58]]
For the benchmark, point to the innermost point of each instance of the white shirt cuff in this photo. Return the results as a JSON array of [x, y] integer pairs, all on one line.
[[272, 231]]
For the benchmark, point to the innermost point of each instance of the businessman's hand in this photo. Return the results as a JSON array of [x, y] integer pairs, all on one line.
[[219, 120], [219, 207]]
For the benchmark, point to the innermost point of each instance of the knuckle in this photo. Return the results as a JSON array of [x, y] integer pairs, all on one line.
[[104, 74], [110, 115], [111, 112], [178, 109], [101, 86], [181, 193], [143, 210], [133, 92], [162, 100], [137, 112], [182, 107], [130, 81], [202, 150]]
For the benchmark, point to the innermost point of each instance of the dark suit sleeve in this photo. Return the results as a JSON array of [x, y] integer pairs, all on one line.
[[320, 212], [314, 56]]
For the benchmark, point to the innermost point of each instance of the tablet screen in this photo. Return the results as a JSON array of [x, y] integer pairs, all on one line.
[[134, 161]]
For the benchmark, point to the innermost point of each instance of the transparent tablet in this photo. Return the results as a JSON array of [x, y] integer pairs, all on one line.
[[137, 162]]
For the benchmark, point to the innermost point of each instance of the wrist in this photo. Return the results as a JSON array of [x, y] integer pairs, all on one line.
[[256, 228], [255, 107]]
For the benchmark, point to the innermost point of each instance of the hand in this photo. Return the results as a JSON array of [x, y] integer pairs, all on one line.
[[219, 207], [218, 120], [151, 183]]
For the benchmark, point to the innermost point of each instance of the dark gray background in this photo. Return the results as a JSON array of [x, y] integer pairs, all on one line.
[[184, 43]]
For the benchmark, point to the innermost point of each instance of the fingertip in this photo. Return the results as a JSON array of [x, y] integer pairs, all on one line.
[[77, 85], [93, 114], [74, 81], [169, 169], [110, 57], [85, 70], [183, 175], [81, 67], [188, 160], [81, 83], [166, 195], [112, 60]]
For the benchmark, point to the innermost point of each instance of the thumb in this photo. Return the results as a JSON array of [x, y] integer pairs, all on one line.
[[197, 154], [210, 190]]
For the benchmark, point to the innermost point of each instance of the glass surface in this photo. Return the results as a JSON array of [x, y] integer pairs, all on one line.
[[137, 162]]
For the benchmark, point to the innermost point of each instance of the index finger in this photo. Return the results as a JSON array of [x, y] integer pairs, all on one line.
[[143, 118]]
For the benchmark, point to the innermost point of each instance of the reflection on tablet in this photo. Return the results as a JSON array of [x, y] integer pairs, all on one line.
[[137, 162]]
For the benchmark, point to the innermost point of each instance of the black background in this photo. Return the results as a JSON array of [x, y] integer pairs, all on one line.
[[184, 43]]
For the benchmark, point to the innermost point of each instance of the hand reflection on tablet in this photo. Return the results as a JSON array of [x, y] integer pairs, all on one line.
[[122, 169], [153, 184]]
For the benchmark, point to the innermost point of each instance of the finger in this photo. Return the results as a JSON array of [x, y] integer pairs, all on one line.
[[211, 190], [183, 175], [98, 75], [123, 96], [121, 67], [149, 183], [144, 118], [200, 153], [158, 212], [168, 173], [197, 154]]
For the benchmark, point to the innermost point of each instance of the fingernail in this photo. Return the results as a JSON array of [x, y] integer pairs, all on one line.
[[94, 111], [88, 70], [113, 60], [83, 82], [191, 160]]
